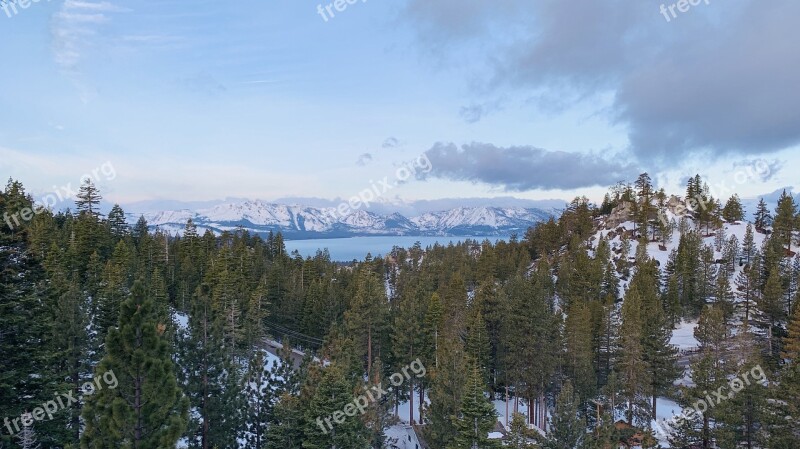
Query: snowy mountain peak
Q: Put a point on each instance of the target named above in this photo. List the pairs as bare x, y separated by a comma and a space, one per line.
299, 221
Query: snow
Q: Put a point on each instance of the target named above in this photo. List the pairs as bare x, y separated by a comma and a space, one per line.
263, 216
683, 336
181, 319
402, 436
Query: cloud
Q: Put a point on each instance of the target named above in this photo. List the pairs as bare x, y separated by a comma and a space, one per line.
74, 30
718, 80
364, 159
475, 112
391, 142
522, 168
764, 170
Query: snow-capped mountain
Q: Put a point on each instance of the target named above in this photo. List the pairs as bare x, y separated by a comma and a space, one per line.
298, 221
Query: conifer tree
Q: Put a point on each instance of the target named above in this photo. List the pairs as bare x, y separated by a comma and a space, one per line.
407, 339
88, 199
633, 370
332, 393
709, 373
260, 401
476, 415
210, 377
147, 408
763, 218
786, 219
748, 245
567, 429
733, 210
771, 311
446, 390
519, 435
117, 223
784, 414
366, 318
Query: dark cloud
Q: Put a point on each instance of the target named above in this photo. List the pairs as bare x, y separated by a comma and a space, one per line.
718, 80
522, 168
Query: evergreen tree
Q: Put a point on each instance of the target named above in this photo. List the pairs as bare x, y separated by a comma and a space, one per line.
332, 393
633, 370
519, 435
210, 377
567, 429
117, 223
748, 245
771, 312
260, 401
763, 218
785, 219
709, 373
784, 414
476, 416
88, 199
147, 408
733, 210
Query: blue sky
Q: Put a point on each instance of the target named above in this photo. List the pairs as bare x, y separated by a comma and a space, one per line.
265, 99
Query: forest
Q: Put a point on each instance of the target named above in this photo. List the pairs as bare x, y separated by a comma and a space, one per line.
113, 334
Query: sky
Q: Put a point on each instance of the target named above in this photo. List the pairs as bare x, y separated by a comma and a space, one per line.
273, 99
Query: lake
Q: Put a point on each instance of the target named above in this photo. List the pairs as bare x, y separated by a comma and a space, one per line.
347, 249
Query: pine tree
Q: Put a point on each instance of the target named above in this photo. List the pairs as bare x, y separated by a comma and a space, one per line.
260, 401
633, 370
446, 390
785, 219
741, 418
146, 408
763, 218
210, 377
519, 435
366, 318
709, 373
567, 429
784, 419
748, 245
332, 393
88, 199
476, 416
733, 210
771, 311
287, 427
579, 355
116, 222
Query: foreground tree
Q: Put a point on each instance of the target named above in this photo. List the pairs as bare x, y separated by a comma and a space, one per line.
477, 416
145, 409
568, 430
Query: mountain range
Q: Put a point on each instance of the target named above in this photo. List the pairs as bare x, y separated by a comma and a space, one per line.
307, 222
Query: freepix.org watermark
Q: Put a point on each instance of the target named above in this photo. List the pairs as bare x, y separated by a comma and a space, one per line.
405, 171
10, 6
58, 195
327, 12
373, 394
61, 402
753, 171
683, 6
713, 399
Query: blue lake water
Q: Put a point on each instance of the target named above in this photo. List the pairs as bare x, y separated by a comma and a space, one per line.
350, 248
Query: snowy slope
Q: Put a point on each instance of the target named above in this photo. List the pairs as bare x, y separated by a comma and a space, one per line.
297, 221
